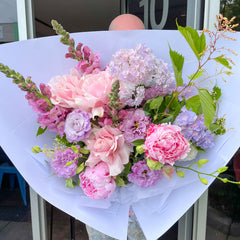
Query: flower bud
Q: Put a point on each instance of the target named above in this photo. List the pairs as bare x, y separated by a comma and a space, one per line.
79, 46
202, 161
140, 149
225, 180
204, 181
36, 149
180, 174
222, 169
75, 149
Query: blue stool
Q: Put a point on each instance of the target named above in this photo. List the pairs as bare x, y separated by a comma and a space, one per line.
8, 168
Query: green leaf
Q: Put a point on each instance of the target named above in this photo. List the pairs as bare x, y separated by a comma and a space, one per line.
80, 168
127, 168
119, 181
193, 103
208, 106
69, 183
63, 140
41, 130
216, 93
223, 61
178, 110
138, 142
177, 62
197, 75
156, 102
174, 104
218, 127
154, 165
168, 119
196, 42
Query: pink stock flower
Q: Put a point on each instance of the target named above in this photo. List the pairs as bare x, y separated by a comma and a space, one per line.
54, 119
91, 62
165, 143
88, 93
107, 144
96, 182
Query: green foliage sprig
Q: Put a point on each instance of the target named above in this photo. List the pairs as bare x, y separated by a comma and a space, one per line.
200, 163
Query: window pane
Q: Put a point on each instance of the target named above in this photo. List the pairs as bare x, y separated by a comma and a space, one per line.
153, 12
223, 220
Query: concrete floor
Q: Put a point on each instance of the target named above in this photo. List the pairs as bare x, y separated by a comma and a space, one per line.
15, 219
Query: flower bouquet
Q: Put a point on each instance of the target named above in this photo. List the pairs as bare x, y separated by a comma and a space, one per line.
134, 121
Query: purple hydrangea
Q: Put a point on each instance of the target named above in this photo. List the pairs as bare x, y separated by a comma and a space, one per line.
77, 125
138, 69
186, 117
133, 65
132, 95
134, 125
61, 157
143, 176
194, 129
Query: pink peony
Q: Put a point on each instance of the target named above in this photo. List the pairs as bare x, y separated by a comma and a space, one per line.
165, 143
107, 144
88, 93
96, 182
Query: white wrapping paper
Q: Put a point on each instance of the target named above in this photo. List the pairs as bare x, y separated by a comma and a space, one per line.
156, 208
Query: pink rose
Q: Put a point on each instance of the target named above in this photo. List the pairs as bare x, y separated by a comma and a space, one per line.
107, 144
165, 143
88, 92
96, 182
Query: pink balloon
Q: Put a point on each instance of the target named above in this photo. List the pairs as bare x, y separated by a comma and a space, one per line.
126, 22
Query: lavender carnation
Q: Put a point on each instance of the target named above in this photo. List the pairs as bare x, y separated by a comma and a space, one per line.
135, 125
77, 125
61, 158
143, 176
